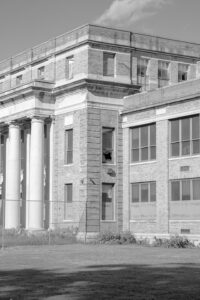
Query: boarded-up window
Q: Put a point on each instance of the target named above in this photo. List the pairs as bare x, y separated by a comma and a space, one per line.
109, 64
69, 67
107, 145
68, 146
68, 198
107, 202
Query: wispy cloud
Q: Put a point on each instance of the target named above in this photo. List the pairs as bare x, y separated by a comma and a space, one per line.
127, 12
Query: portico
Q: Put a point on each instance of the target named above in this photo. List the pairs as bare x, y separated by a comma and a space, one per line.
23, 153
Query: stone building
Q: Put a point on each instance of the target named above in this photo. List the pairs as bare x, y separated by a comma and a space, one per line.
100, 130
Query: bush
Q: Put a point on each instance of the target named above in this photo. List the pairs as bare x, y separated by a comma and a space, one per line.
173, 242
109, 237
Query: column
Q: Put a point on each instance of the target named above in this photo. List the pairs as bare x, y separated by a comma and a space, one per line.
12, 203
36, 185
51, 156
28, 143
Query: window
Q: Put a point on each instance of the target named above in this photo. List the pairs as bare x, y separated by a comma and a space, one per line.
142, 77
68, 146
182, 72
107, 202
109, 64
143, 192
69, 67
143, 143
41, 72
185, 189
107, 145
18, 79
185, 136
163, 73
68, 197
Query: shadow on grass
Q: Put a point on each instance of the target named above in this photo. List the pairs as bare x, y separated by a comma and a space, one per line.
104, 282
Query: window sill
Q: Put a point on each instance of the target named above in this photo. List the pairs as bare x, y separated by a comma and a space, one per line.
68, 221
68, 165
143, 162
184, 157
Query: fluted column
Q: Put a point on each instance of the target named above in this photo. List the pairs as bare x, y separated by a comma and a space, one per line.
36, 186
12, 203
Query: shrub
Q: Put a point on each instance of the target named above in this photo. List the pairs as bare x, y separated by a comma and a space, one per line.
110, 237
173, 242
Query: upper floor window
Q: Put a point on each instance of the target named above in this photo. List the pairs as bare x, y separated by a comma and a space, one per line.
108, 64
142, 77
182, 72
68, 146
143, 143
185, 136
163, 73
69, 67
107, 145
41, 73
185, 189
19, 79
143, 192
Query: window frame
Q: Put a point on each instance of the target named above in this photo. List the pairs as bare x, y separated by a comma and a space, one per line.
66, 202
19, 79
139, 185
180, 181
68, 149
140, 148
106, 72
113, 202
143, 78
112, 150
69, 67
41, 72
181, 73
180, 141
163, 79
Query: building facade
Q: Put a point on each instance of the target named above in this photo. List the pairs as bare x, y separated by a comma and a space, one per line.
100, 131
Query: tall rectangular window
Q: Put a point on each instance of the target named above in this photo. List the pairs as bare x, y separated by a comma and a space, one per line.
182, 72
142, 77
69, 67
143, 192
143, 143
68, 198
185, 136
185, 189
163, 73
41, 72
19, 80
108, 64
107, 202
68, 146
107, 145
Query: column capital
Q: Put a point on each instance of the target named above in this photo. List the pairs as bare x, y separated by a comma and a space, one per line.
36, 118
13, 123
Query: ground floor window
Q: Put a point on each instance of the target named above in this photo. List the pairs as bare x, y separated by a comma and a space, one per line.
68, 197
185, 189
107, 210
143, 192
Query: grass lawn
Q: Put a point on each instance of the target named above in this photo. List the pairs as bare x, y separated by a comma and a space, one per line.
99, 272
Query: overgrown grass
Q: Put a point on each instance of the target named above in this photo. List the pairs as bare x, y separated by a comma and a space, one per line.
17, 237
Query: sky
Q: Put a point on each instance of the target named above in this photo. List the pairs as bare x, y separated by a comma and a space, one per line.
27, 23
